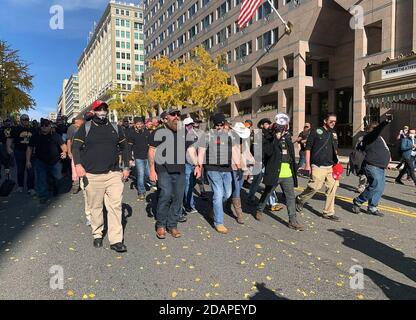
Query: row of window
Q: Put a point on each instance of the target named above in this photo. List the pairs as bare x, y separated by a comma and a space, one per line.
127, 13
126, 45
126, 35
262, 12
127, 56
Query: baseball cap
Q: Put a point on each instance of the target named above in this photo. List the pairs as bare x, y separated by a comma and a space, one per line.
138, 119
218, 118
24, 117
163, 115
188, 121
248, 123
97, 104
44, 122
263, 121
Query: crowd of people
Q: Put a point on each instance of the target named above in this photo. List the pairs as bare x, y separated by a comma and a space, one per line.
172, 155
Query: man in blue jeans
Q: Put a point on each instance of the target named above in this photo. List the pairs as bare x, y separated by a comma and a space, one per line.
47, 149
215, 151
167, 166
377, 159
138, 139
190, 180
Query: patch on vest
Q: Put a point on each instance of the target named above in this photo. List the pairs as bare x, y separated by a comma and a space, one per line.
319, 131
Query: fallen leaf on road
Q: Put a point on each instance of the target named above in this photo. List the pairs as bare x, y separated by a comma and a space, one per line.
258, 246
174, 294
70, 293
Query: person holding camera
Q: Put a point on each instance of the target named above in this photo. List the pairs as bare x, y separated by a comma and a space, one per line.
321, 156
408, 148
280, 169
377, 159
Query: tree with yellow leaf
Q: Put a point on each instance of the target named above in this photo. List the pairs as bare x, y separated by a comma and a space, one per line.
205, 84
165, 83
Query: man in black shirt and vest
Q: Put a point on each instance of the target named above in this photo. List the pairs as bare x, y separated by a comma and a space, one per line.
321, 155
96, 148
167, 167
215, 152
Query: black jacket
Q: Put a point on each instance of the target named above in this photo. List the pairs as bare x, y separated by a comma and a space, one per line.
376, 149
273, 153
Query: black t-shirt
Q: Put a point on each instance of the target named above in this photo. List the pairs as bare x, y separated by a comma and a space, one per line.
218, 154
4, 134
139, 141
47, 148
170, 150
323, 145
304, 135
21, 137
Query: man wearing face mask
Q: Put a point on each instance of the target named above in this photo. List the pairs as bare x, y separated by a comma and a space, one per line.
167, 167
321, 155
408, 147
96, 148
280, 169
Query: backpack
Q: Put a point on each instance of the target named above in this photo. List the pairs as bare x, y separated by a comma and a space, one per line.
356, 160
88, 127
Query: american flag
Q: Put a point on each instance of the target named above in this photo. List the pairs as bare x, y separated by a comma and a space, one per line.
248, 9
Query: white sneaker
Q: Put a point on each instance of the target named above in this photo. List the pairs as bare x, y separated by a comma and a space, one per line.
31, 192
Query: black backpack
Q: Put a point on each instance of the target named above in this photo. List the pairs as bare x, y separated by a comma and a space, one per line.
356, 160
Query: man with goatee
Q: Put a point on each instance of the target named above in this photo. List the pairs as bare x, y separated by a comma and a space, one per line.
167, 167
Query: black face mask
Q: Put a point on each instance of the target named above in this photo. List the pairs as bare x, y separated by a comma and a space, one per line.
99, 120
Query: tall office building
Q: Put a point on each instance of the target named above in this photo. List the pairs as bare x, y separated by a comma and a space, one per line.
61, 106
321, 66
114, 55
72, 97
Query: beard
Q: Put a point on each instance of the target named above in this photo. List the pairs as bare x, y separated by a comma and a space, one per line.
172, 125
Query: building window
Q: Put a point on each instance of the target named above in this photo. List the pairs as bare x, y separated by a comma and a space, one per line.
264, 10
373, 34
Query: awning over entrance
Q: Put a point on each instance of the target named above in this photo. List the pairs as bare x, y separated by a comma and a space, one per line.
405, 101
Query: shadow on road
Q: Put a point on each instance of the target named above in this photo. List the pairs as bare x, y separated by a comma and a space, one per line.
265, 294
391, 257
392, 289
401, 201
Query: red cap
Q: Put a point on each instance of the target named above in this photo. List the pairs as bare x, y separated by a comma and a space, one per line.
337, 171
98, 104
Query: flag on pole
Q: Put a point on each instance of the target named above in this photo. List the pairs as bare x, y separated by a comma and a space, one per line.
248, 9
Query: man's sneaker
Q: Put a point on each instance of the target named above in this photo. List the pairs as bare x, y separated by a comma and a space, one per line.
375, 213
299, 205
398, 182
295, 225
154, 188
19, 190
192, 211
221, 229
259, 216
174, 232
141, 197
182, 219
118, 247
88, 222
31, 192
331, 217
356, 208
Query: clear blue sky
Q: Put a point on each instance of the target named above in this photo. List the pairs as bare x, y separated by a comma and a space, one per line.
52, 54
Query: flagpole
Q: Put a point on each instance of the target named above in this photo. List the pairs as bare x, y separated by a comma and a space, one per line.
288, 25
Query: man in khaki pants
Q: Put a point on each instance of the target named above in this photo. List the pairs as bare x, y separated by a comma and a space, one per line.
321, 155
95, 150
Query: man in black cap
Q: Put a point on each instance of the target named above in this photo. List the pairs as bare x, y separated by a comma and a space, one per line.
215, 153
96, 148
47, 149
20, 137
167, 167
138, 139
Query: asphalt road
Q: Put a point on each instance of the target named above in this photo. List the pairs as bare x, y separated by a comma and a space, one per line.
258, 260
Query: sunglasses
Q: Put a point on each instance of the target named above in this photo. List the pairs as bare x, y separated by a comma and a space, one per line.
332, 121
220, 125
175, 114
